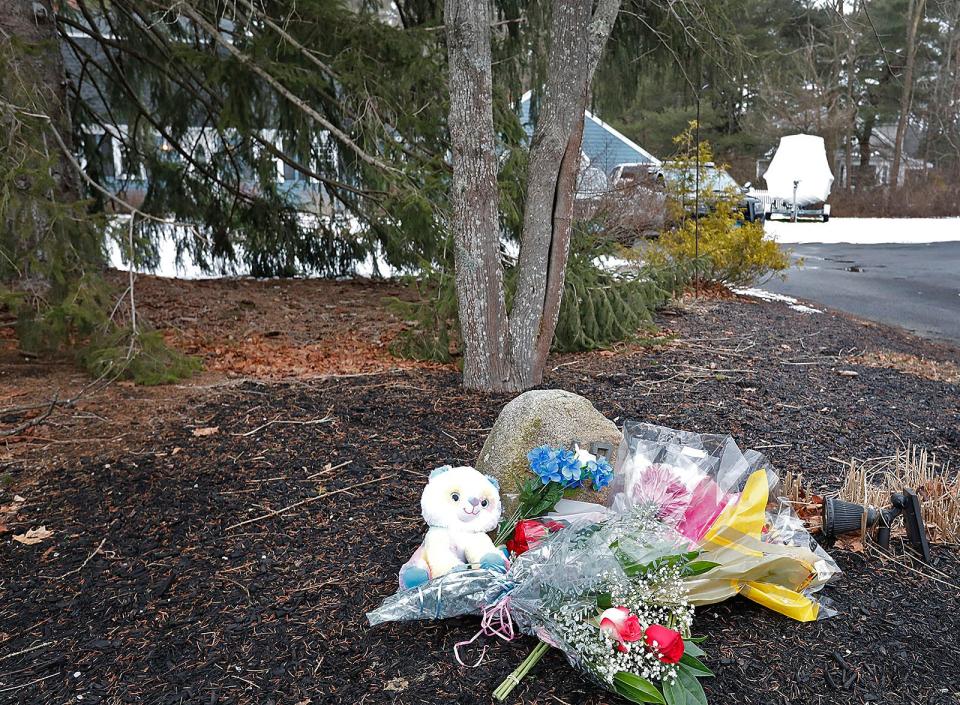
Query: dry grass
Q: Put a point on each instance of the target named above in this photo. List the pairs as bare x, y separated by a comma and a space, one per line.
933, 196
936, 370
871, 482
807, 504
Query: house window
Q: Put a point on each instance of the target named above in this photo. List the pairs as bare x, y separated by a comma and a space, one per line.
291, 174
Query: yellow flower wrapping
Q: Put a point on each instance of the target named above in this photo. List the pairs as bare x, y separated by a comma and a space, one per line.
770, 575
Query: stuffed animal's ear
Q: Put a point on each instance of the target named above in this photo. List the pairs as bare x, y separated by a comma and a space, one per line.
440, 470
493, 481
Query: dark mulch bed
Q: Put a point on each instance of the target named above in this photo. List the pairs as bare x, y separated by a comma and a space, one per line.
178, 608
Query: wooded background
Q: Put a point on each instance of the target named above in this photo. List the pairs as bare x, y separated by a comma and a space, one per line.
308, 136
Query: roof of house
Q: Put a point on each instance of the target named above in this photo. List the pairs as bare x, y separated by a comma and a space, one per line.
604, 146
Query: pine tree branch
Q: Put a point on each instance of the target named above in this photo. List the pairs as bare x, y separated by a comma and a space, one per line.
76, 165
309, 55
210, 109
234, 189
246, 61
306, 171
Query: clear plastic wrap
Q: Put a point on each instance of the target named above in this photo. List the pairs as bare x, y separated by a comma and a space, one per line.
553, 591
724, 501
452, 595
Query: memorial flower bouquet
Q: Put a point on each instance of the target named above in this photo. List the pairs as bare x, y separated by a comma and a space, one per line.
612, 596
556, 472
691, 520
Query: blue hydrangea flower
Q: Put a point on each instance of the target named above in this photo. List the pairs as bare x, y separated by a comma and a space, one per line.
544, 463
571, 469
600, 473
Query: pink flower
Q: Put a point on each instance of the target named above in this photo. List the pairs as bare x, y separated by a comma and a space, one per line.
621, 626
657, 485
706, 504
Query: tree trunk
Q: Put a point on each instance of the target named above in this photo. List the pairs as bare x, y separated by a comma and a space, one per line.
551, 179
851, 121
577, 40
864, 177
504, 352
913, 18
36, 81
32, 88
474, 197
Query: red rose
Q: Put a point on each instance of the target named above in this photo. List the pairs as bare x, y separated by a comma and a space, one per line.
667, 643
530, 532
622, 626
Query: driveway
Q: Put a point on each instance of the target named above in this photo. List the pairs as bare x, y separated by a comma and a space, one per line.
915, 286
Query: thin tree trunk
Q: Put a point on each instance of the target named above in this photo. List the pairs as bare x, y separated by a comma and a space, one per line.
851, 121
577, 42
543, 234
474, 197
917, 8
864, 177
501, 352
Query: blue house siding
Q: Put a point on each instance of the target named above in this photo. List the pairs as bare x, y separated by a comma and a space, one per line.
604, 146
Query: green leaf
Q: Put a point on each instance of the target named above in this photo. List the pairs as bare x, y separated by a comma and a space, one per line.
546, 501
697, 639
695, 666
685, 690
604, 600
630, 566
636, 689
690, 646
698, 568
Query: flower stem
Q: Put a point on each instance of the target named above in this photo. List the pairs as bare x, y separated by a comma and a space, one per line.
513, 680
519, 514
506, 529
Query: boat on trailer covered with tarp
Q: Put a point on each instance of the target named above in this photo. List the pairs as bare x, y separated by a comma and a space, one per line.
799, 179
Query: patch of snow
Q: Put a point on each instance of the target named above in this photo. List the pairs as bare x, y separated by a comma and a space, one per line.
611, 263
168, 265
367, 269
804, 309
781, 298
866, 231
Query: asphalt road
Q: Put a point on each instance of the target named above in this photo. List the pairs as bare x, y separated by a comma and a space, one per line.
914, 286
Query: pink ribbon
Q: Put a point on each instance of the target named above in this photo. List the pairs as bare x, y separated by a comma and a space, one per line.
496, 622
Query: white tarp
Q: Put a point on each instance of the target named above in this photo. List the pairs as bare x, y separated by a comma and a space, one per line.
801, 159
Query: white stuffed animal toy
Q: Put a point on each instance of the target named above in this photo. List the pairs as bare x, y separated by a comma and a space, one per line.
460, 505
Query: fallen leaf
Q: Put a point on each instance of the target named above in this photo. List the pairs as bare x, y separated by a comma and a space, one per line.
33, 536
207, 431
850, 542
847, 373
176, 450
396, 685
18, 498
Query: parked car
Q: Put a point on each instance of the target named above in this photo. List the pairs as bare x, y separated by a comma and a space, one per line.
714, 182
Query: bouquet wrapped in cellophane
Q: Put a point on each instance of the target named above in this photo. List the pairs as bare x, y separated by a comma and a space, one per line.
690, 522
